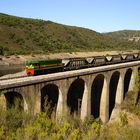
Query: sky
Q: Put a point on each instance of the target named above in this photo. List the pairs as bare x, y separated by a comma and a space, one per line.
98, 15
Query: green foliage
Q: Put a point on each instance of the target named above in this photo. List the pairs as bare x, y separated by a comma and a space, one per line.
25, 36
2, 133
137, 110
16, 125
40, 127
116, 131
132, 99
131, 103
123, 118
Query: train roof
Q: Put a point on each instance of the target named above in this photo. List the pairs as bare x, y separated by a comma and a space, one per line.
44, 62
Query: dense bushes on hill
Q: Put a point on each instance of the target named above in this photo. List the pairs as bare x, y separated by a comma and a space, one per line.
25, 36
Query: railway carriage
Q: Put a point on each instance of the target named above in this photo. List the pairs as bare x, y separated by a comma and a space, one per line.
99, 60
76, 63
111, 59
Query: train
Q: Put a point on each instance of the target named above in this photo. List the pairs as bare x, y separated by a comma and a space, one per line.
38, 67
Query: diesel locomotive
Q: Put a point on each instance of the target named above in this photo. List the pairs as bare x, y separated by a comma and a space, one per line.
37, 67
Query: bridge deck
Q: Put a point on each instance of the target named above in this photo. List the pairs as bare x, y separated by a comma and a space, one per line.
5, 84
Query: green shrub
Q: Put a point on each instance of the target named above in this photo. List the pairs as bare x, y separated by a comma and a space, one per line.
123, 119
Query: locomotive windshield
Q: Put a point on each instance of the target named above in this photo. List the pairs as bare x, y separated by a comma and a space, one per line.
31, 64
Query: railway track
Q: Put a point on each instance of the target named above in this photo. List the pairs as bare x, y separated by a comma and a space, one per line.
13, 76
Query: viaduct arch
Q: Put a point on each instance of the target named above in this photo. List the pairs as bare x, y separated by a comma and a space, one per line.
14, 100
127, 79
49, 98
95, 93
113, 84
75, 95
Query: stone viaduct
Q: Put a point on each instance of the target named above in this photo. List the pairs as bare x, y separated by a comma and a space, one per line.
92, 91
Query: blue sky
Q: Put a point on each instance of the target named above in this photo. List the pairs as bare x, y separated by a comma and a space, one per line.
98, 15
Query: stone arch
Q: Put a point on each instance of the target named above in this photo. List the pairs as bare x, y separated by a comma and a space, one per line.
14, 100
75, 95
113, 90
96, 91
127, 79
49, 98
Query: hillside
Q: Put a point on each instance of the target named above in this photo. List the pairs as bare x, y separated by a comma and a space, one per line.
26, 36
22, 35
129, 35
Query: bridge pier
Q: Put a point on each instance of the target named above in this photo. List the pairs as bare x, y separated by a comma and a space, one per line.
63, 86
104, 105
120, 88
2, 101
133, 78
86, 107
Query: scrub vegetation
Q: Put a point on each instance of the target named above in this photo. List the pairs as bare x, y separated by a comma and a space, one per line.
35, 36
16, 124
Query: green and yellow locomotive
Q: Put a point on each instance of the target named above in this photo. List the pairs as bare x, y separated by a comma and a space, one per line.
37, 67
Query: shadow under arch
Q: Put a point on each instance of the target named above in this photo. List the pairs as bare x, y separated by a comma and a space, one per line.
112, 90
127, 79
14, 100
139, 71
96, 91
75, 95
49, 98
138, 81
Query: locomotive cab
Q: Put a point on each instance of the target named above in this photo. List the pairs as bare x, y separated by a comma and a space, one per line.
30, 68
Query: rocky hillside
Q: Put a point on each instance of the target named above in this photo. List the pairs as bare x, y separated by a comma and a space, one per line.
26, 36
129, 35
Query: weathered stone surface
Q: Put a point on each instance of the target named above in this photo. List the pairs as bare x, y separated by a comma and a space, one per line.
30, 88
